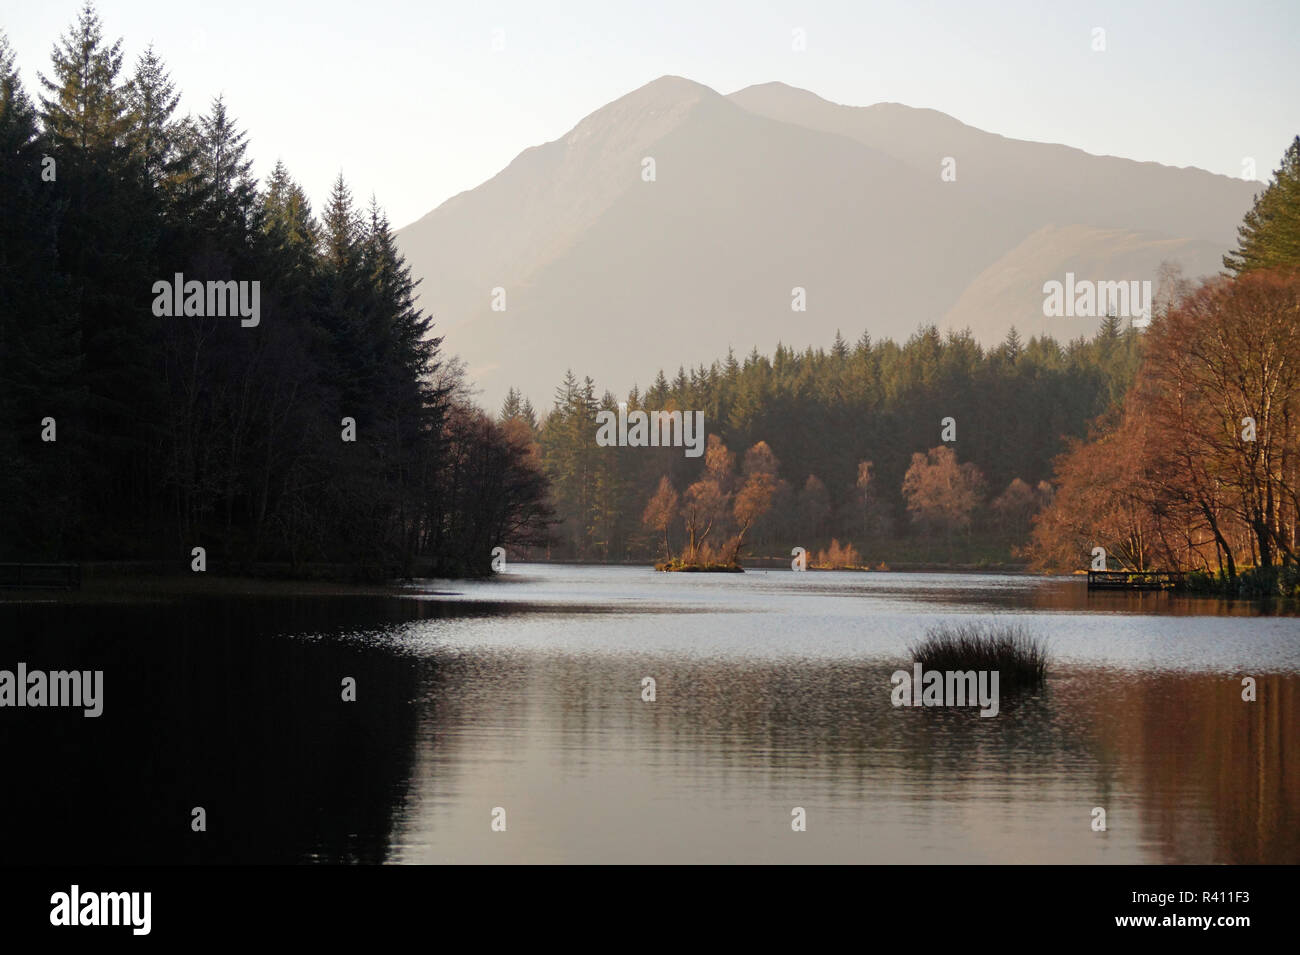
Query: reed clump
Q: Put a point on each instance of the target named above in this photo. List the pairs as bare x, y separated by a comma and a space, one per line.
1019, 657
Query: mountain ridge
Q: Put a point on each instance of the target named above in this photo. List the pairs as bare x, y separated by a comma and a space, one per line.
762, 191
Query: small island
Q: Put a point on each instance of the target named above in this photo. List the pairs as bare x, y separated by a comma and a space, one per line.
676, 564
710, 500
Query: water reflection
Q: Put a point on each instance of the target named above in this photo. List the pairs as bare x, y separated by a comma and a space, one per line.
526, 695
712, 769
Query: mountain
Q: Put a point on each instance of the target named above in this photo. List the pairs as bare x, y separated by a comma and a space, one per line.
769, 189
1032, 184
1010, 291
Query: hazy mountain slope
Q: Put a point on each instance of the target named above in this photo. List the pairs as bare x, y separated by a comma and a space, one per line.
516, 221
762, 191
1010, 291
1035, 183
633, 275
707, 256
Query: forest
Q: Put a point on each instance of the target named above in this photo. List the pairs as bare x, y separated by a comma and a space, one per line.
1175, 446
840, 432
331, 432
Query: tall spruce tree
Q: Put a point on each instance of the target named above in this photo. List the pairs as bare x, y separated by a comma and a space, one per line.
1270, 235
40, 338
225, 171
151, 99
107, 244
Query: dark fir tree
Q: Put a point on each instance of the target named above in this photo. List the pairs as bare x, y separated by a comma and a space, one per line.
1270, 235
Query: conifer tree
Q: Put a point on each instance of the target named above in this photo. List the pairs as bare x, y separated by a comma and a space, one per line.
288, 238
225, 171
839, 348
107, 245
151, 100
510, 408
39, 337
1012, 347
84, 107
1270, 235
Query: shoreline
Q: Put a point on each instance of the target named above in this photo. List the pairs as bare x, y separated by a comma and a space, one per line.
126, 587
107, 581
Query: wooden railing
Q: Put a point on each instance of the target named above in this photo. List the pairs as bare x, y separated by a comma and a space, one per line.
1135, 580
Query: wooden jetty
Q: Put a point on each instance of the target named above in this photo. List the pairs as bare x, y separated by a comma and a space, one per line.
41, 576
1135, 580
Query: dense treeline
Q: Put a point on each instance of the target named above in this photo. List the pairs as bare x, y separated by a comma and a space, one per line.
854, 439
1199, 468
331, 428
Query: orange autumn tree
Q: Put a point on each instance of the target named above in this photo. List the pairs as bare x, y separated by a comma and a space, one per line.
713, 502
1099, 502
1222, 384
707, 502
942, 494
1201, 468
661, 511
754, 499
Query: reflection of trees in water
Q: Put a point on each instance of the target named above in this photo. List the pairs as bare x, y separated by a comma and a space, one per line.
204, 707
1205, 770
833, 720
1071, 593
1217, 775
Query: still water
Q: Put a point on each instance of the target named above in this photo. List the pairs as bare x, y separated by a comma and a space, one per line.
772, 692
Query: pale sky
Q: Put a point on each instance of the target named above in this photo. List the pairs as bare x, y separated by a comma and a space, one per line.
411, 102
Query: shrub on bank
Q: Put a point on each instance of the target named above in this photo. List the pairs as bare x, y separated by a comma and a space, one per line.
1251, 582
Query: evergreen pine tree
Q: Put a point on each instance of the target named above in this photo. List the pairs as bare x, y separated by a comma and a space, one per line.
151, 99
1269, 237
225, 171
40, 353
510, 407
84, 108
839, 348
1012, 347
107, 245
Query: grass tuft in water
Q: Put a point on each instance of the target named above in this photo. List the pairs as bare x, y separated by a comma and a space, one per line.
1019, 658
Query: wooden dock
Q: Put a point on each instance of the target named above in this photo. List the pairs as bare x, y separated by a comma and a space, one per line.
1135, 580
41, 576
